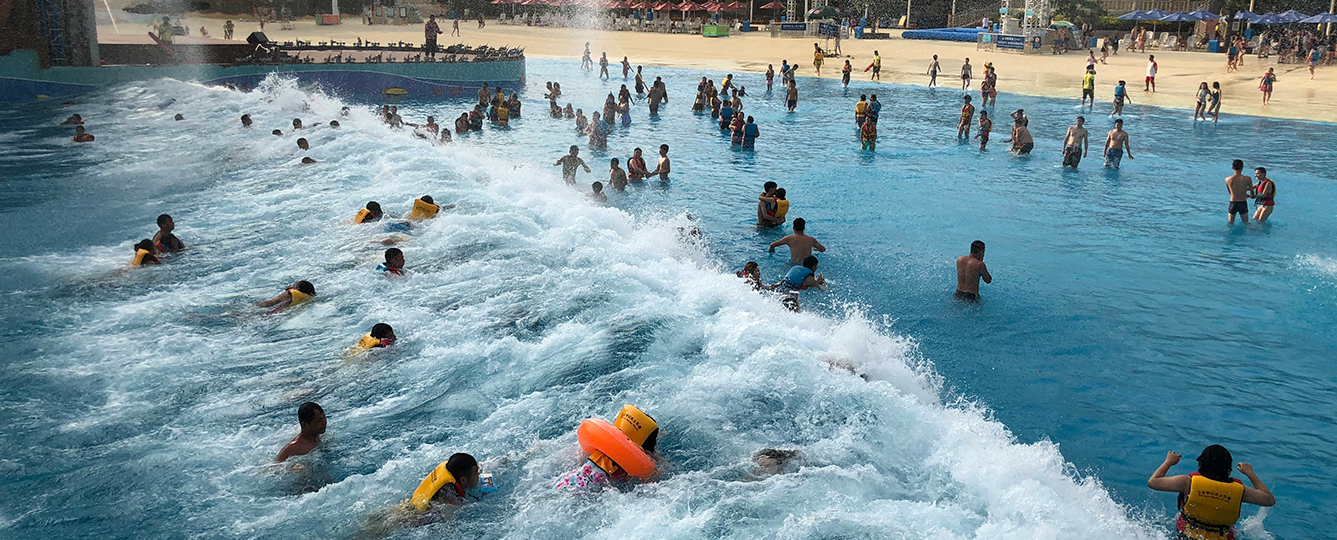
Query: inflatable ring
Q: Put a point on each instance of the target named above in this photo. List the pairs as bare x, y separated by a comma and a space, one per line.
597, 435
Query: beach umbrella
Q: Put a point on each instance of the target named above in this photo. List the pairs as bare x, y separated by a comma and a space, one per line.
1204, 15
1291, 16
734, 6
689, 5
1135, 15
1154, 15
824, 12
167, 7
1179, 17
1057, 24
1245, 15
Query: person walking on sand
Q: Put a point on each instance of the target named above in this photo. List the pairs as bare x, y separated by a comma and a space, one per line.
965, 75
1089, 85
1238, 186
455, 28
1075, 143
1120, 95
1115, 144
970, 269
817, 58
967, 115
430, 31
1266, 85
1265, 193
933, 69
876, 66
1152, 67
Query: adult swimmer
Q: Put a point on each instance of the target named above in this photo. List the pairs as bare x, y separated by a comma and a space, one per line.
800, 244
1210, 500
311, 418
801, 277
294, 294
970, 269
617, 453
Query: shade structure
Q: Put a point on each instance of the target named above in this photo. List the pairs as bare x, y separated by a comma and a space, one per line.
1268, 18
734, 6
1245, 15
690, 6
1204, 15
663, 6
773, 5
1321, 18
1155, 15
1135, 15
1057, 24
712, 7
641, 6
1179, 17
1292, 16
824, 12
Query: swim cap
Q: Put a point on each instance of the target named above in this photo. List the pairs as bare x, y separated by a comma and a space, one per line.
638, 427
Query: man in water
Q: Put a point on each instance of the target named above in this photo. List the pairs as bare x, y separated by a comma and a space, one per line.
776, 207
304, 291
861, 110
603, 66
394, 263
986, 127
1210, 500
1117, 142
245, 120
970, 269
617, 178
1021, 140
965, 75
303, 144
1238, 186
800, 245
664, 166
967, 114
874, 111
1075, 144
801, 277
164, 241
1264, 192
75, 120
82, 136
569, 164
764, 208
312, 420
791, 95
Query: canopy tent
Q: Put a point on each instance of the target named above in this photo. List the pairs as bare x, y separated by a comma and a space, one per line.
1321, 18
1291, 16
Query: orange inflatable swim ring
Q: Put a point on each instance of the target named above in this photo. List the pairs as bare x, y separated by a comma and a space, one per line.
622, 444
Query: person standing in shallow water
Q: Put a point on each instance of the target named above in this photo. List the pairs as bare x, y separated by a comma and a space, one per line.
569, 164
970, 269
1210, 500
1238, 186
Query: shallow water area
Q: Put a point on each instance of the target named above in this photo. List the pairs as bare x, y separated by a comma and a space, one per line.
1126, 319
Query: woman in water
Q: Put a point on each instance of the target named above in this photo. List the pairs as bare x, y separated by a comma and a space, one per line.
1210, 500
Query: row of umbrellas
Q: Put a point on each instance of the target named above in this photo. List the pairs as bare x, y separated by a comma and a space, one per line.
1291, 16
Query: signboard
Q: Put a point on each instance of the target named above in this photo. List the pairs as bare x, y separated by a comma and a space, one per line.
794, 27
1035, 43
1002, 11
827, 29
1030, 13
1011, 42
987, 37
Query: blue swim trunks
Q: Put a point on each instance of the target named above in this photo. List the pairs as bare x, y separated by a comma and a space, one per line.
1113, 156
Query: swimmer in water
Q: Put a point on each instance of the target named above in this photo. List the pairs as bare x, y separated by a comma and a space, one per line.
801, 277
772, 461
144, 254
1115, 144
164, 241
751, 273
597, 195
765, 208
334, 124
617, 178
664, 166
970, 269
303, 144
1210, 500
276, 133
81, 136
967, 114
371, 213
448, 484
295, 294
296, 124
1075, 144
311, 418
600, 471
73, 120
1265, 192
777, 205
381, 336
245, 120
569, 164
179, 117
394, 262
800, 245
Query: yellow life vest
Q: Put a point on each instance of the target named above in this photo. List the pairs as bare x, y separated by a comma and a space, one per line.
877, 61
423, 210
165, 32
503, 114
1211, 508
781, 208
368, 342
298, 297
139, 257
439, 478
817, 56
633, 423
362, 216
860, 109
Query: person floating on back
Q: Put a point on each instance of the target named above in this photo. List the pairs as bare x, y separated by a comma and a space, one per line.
1210, 500
311, 418
970, 269
297, 293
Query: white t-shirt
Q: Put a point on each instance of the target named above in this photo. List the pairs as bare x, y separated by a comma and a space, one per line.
1151, 68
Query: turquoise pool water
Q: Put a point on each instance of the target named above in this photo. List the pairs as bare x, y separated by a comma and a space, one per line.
1125, 319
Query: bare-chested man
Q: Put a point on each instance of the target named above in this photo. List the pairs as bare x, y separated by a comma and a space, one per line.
1075, 144
664, 167
970, 270
1115, 144
570, 163
1238, 185
312, 419
800, 245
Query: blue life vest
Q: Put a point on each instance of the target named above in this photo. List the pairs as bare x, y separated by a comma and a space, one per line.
726, 112
874, 108
794, 279
750, 131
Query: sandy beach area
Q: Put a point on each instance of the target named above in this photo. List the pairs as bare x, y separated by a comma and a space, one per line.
903, 61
